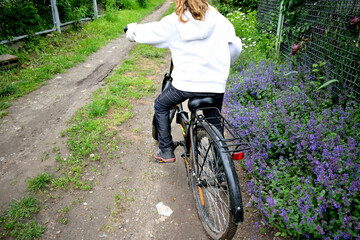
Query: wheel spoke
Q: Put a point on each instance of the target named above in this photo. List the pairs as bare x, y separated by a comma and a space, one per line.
217, 206
210, 187
218, 213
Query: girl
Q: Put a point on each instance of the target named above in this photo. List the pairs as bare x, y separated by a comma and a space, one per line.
203, 45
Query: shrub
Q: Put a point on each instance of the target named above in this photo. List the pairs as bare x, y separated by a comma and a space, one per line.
257, 44
227, 6
26, 17
112, 5
304, 159
142, 3
19, 18
71, 10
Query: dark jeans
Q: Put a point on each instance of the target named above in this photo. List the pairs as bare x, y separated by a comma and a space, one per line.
169, 98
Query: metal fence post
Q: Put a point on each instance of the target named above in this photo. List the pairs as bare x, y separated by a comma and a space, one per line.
280, 27
55, 14
95, 9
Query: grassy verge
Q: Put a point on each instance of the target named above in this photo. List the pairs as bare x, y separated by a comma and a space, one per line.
91, 139
42, 57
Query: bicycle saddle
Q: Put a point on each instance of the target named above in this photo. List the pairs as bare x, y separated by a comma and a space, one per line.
200, 102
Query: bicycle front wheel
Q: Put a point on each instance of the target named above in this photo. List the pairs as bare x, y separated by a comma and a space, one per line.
210, 183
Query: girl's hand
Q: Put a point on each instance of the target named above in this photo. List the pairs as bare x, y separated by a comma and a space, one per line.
130, 32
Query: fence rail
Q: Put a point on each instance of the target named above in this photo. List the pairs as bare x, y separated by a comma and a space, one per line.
325, 30
56, 21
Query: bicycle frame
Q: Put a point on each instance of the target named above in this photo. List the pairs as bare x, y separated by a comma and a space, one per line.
226, 145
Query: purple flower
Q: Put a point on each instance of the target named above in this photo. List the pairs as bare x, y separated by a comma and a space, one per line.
307, 156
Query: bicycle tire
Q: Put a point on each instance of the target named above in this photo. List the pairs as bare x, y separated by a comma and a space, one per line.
154, 131
213, 197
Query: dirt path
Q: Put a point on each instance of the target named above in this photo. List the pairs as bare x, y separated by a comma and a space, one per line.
122, 204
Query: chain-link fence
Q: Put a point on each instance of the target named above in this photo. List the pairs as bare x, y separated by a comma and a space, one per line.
325, 30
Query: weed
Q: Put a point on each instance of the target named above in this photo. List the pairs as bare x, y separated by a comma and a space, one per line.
58, 158
63, 220
45, 157
56, 149
66, 209
16, 220
8, 90
137, 130
3, 113
61, 182
51, 196
40, 182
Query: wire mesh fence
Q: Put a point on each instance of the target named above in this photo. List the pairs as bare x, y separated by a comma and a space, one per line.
327, 31
268, 14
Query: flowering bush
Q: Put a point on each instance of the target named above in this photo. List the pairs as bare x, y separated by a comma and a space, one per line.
304, 159
257, 44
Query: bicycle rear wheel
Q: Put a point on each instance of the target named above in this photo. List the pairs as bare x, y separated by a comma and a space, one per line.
212, 194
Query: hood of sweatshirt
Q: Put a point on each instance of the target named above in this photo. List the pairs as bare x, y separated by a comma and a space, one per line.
194, 29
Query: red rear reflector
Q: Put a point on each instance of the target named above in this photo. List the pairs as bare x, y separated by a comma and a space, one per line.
238, 156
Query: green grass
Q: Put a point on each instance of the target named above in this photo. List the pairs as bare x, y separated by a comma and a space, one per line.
40, 182
43, 57
17, 223
91, 137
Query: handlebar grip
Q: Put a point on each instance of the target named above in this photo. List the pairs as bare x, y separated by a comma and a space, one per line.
125, 29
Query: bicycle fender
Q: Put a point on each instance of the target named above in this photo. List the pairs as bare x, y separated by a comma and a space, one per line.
237, 209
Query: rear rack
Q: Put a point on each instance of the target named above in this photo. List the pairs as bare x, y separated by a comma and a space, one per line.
232, 141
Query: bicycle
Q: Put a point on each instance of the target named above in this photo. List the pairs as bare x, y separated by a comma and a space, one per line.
210, 170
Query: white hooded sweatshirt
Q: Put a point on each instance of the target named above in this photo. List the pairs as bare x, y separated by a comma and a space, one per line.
202, 51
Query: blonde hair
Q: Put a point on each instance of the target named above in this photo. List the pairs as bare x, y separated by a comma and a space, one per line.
197, 8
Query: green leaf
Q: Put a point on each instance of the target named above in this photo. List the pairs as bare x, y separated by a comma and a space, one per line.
327, 83
286, 74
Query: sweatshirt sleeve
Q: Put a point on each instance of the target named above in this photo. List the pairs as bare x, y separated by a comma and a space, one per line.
235, 47
156, 33
234, 42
